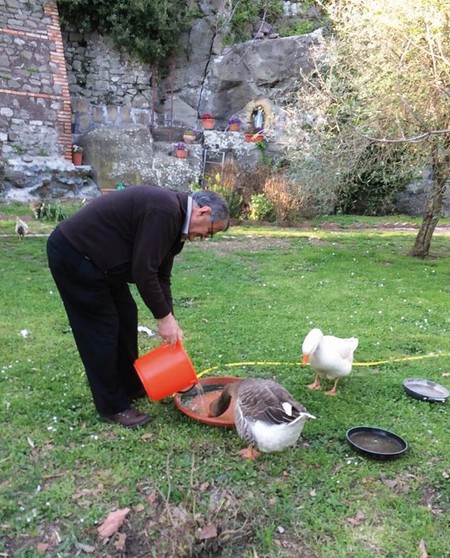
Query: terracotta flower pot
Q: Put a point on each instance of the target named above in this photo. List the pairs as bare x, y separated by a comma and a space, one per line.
77, 158
181, 153
235, 127
254, 138
208, 123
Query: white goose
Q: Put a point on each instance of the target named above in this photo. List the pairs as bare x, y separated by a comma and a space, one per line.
329, 356
266, 414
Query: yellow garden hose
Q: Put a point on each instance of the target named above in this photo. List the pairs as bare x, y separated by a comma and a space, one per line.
257, 363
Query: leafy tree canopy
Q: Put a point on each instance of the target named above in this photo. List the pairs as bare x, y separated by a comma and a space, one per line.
149, 29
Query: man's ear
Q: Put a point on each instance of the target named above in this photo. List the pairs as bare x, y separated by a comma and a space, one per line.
205, 210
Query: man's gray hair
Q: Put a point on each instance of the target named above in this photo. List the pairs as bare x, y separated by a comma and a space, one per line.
219, 207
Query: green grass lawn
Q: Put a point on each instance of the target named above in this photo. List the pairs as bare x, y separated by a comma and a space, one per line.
251, 295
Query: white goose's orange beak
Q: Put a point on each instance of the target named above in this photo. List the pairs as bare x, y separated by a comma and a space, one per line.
305, 360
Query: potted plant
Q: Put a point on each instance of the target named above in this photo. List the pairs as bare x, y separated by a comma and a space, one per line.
189, 136
235, 124
208, 121
180, 150
254, 135
77, 155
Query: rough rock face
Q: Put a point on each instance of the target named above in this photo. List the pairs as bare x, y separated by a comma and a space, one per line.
32, 178
412, 200
269, 69
130, 155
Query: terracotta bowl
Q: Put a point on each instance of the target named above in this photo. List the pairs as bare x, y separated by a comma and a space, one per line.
189, 403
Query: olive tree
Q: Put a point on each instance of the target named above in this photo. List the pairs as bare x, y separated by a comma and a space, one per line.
387, 84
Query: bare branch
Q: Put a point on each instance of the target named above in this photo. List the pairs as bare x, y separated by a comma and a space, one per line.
414, 139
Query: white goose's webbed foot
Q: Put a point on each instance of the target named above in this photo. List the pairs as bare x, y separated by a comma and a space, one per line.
316, 384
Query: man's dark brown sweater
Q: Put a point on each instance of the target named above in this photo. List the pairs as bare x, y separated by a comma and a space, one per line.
133, 235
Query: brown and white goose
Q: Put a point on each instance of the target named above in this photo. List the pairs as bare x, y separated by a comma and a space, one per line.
266, 415
329, 356
21, 227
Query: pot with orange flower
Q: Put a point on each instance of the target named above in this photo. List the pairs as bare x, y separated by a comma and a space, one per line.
208, 121
180, 150
254, 135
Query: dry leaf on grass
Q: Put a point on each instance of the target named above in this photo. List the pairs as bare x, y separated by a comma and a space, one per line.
358, 519
422, 549
209, 531
85, 547
120, 543
112, 522
151, 497
390, 483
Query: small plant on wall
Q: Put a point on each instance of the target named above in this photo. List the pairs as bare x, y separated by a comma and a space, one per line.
244, 11
180, 150
234, 124
77, 154
189, 136
208, 121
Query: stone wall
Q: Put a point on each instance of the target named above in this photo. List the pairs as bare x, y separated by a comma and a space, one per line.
106, 85
35, 113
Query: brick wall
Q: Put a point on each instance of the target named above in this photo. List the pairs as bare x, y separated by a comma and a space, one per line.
35, 113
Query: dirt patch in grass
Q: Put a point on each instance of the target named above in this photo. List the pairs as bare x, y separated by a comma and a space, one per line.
184, 530
209, 521
247, 243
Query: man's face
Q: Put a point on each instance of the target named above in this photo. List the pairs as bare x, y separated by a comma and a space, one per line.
202, 225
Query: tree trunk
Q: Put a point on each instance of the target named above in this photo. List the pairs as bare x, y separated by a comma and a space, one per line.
433, 208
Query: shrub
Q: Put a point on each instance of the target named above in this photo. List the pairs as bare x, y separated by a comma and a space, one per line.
286, 196
225, 185
261, 208
373, 184
244, 12
263, 193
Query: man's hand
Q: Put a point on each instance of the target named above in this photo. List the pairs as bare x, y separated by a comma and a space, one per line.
169, 329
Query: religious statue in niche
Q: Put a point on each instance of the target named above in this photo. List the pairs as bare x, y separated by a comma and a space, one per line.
257, 118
